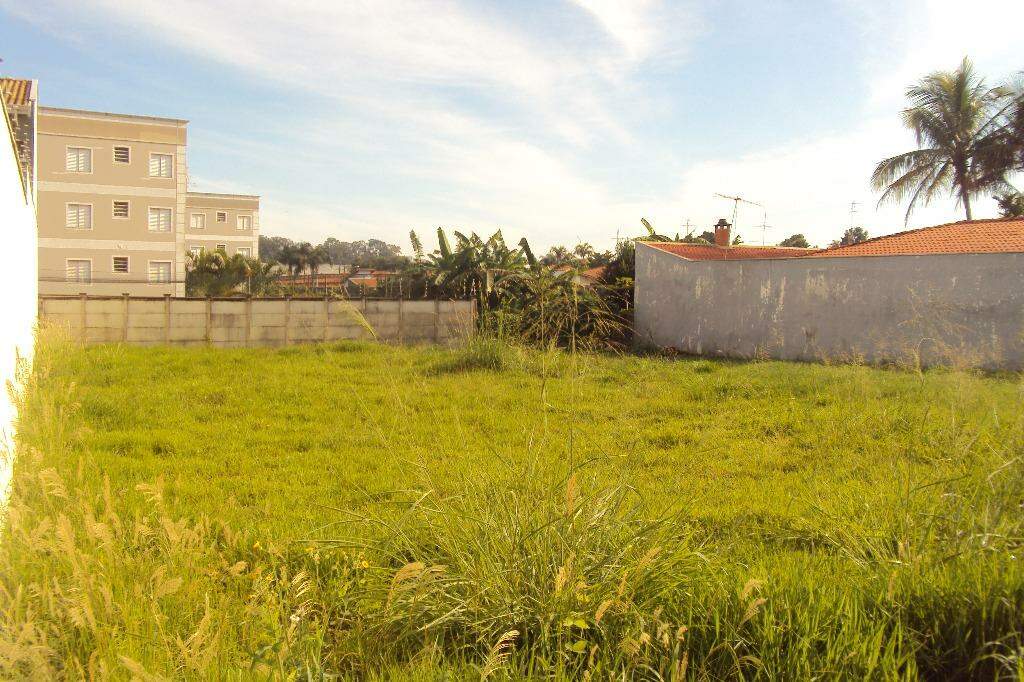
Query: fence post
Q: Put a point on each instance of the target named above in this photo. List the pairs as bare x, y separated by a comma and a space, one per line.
327, 316
209, 320
85, 330
363, 312
401, 324
287, 320
248, 319
437, 320
124, 318
167, 319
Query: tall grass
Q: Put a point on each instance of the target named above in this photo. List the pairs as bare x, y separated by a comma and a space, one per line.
647, 520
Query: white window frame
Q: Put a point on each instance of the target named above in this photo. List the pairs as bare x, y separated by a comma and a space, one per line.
192, 216
67, 261
128, 261
114, 215
113, 154
170, 222
170, 166
67, 149
219, 214
247, 249
92, 216
238, 222
170, 272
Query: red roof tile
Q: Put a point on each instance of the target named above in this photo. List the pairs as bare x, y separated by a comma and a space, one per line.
16, 91
997, 235
738, 252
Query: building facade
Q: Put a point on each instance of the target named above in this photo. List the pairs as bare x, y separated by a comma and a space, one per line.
114, 212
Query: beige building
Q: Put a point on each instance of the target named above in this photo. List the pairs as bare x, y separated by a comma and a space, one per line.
114, 211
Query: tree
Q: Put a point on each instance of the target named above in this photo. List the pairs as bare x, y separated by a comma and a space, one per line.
583, 252
214, 273
954, 117
737, 240
852, 235
557, 255
270, 248
1011, 205
797, 240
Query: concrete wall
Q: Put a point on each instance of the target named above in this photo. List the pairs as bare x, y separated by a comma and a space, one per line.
961, 310
256, 322
18, 279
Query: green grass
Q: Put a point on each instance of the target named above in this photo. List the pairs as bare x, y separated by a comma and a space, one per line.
409, 513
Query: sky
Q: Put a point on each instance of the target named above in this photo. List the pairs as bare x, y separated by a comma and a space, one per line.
558, 120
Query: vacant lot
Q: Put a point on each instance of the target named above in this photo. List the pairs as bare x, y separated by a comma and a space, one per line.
370, 511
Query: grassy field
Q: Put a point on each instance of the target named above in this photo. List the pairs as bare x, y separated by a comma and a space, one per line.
412, 513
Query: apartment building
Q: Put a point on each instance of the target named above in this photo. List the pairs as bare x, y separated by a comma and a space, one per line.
114, 211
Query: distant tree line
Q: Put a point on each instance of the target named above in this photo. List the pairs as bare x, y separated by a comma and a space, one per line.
301, 256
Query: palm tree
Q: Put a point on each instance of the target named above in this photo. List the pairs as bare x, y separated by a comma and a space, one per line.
953, 116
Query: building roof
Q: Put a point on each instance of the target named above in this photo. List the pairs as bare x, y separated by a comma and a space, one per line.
16, 91
106, 115
997, 235
737, 252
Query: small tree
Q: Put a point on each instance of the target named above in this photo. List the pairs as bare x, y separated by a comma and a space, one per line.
853, 235
1011, 205
797, 240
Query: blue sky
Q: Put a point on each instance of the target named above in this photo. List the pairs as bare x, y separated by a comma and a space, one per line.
560, 120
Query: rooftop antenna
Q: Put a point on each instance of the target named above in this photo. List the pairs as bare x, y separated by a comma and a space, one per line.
854, 205
764, 227
735, 206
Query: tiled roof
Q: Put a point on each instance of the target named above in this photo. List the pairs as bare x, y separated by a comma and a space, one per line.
738, 252
17, 91
997, 235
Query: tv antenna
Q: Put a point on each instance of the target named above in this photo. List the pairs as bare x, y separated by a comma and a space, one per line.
764, 227
736, 205
854, 207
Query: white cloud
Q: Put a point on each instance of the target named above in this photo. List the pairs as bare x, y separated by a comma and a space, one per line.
395, 74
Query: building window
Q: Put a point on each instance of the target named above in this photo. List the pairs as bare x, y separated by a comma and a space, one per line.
159, 271
79, 216
160, 165
222, 216
78, 160
196, 251
122, 154
120, 209
120, 263
159, 219
79, 270
197, 221
244, 222
222, 247
245, 251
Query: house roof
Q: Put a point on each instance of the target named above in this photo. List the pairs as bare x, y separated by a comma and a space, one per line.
16, 91
997, 235
738, 252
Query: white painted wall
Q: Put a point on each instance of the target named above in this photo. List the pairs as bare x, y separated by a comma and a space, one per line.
18, 287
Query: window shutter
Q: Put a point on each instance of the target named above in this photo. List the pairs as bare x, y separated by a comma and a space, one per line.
122, 154
120, 263
159, 271
79, 217
159, 220
79, 271
120, 209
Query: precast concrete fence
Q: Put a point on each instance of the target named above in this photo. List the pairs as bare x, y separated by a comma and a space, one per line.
252, 322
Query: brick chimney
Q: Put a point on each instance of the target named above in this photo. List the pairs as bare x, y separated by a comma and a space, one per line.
722, 233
